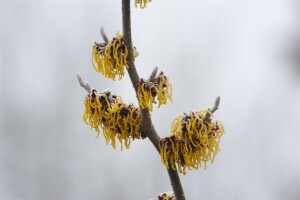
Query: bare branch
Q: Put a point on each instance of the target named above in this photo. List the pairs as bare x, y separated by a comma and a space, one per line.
82, 84
216, 106
147, 127
103, 34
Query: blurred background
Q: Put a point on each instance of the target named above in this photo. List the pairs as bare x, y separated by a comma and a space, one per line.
248, 52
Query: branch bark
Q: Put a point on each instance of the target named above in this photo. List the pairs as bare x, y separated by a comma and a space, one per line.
147, 125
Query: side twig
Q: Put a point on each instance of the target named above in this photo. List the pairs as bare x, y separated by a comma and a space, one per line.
216, 106
153, 74
103, 34
86, 86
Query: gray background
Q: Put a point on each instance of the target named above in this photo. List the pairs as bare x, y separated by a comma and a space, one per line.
245, 51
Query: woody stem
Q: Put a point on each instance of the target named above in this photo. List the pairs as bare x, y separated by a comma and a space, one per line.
147, 127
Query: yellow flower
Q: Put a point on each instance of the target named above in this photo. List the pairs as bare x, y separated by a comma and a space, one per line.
142, 3
165, 196
159, 88
117, 120
124, 125
194, 141
97, 107
109, 58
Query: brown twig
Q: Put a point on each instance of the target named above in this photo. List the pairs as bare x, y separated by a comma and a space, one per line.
216, 106
147, 126
153, 74
103, 34
86, 86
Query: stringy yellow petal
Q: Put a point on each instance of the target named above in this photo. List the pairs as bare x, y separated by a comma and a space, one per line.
109, 59
194, 140
152, 91
118, 121
141, 3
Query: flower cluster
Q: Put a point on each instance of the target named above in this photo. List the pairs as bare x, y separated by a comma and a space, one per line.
194, 140
142, 3
117, 120
165, 196
109, 58
156, 88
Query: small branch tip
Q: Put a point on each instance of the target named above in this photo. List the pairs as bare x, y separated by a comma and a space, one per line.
153, 74
86, 86
103, 34
215, 107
